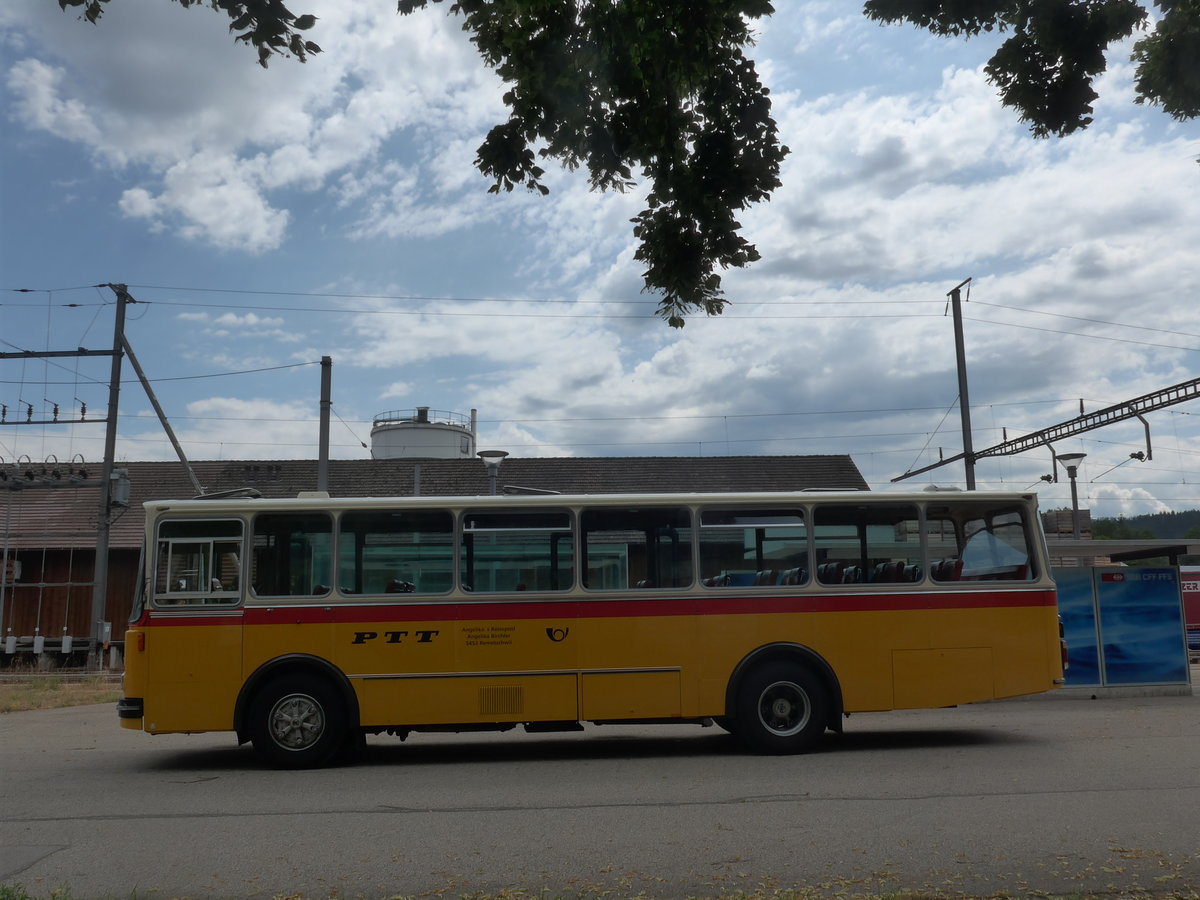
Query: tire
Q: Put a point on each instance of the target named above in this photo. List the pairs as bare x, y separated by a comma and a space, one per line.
298, 722
781, 708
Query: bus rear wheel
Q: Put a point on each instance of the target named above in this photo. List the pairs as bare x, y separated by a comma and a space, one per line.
781, 708
297, 722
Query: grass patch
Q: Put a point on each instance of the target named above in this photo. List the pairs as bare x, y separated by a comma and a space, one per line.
54, 692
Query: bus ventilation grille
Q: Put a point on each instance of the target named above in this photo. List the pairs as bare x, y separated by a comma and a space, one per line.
501, 700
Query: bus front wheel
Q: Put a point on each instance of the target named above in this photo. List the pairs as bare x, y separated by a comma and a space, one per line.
781, 708
297, 722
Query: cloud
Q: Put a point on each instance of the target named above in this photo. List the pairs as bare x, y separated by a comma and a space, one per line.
398, 389
249, 321
1118, 501
214, 139
230, 428
39, 105
354, 174
215, 199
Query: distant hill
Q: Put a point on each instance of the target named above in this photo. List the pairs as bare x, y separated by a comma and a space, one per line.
1168, 525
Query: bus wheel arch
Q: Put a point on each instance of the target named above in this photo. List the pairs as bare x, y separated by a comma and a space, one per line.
314, 694
782, 697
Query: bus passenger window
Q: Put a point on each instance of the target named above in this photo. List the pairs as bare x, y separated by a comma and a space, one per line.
636, 548
517, 550
877, 544
292, 554
742, 547
975, 540
396, 551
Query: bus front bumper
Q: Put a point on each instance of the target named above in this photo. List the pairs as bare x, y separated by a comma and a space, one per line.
130, 708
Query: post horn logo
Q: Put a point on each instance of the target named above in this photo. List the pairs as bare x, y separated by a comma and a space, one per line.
557, 634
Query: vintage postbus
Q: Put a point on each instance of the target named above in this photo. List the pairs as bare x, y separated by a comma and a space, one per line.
304, 624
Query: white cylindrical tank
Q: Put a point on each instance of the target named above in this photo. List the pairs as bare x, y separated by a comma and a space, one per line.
423, 433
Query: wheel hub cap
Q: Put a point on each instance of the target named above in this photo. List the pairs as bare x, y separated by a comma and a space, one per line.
297, 722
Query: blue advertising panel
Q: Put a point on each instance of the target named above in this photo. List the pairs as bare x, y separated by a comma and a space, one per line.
1141, 626
1077, 609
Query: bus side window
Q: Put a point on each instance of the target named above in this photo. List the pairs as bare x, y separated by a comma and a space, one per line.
753, 547
396, 551
198, 562
972, 540
517, 550
292, 554
626, 548
861, 544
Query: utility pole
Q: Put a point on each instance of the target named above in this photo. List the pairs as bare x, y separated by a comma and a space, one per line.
964, 401
323, 430
104, 507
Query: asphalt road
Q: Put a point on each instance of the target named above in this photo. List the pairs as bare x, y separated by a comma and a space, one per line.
1062, 796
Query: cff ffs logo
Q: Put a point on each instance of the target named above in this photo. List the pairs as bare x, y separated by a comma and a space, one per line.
557, 634
1118, 577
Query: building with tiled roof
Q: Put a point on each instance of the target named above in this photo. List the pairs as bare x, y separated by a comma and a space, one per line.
48, 522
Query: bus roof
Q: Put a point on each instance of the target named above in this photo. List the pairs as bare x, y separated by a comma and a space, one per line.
318, 500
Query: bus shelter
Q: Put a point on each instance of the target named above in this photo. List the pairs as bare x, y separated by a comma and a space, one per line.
1124, 625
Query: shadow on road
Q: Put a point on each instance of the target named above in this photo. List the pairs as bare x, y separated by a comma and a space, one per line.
475, 750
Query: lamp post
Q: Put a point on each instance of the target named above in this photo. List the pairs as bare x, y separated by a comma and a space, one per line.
492, 459
1072, 461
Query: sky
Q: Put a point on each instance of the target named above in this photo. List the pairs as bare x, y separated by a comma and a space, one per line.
264, 219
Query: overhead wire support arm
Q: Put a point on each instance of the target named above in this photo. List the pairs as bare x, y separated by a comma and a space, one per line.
162, 416
46, 354
60, 421
1118, 412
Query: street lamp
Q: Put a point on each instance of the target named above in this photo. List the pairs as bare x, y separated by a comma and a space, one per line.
1072, 461
492, 459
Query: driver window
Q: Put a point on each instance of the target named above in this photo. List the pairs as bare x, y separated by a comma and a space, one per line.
198, 562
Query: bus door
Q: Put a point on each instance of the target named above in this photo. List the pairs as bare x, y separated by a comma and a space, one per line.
393, 633
637, 634
516, 637
193, 628
290, 607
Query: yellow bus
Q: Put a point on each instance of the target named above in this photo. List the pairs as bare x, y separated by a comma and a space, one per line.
304, 624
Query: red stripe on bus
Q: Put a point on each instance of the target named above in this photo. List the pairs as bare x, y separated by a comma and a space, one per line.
624, 608
160, 618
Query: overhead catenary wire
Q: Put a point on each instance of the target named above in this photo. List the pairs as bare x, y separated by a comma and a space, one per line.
147, 305
562, 300
695, 319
